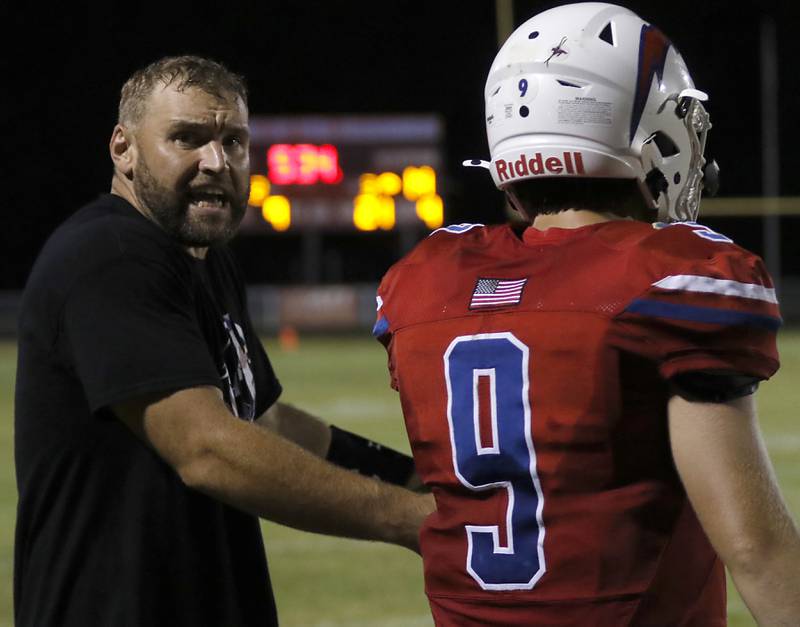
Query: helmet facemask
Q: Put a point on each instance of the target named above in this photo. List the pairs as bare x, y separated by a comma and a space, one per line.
697, 124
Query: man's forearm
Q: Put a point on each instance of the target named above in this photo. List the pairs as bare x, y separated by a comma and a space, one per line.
723, 463
263, 473
768, 586
267, 475
297, 425
342, 448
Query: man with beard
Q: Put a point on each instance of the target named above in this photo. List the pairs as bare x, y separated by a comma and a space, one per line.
148, 433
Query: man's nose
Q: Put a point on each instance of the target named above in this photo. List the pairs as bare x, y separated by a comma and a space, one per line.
212, 157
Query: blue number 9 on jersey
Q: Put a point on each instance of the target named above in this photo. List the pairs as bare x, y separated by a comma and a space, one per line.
506, 460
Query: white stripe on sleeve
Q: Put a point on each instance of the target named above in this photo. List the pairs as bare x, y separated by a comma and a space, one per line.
695, 283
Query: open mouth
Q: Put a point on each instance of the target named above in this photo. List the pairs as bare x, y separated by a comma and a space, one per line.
211, 200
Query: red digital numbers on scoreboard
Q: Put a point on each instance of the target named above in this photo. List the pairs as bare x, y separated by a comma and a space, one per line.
303, 164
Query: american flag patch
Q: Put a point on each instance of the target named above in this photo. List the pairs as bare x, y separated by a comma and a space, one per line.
497, 293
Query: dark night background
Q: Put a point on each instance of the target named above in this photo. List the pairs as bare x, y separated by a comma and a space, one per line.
62, 84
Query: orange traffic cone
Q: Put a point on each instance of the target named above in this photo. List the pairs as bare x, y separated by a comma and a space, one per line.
288, 339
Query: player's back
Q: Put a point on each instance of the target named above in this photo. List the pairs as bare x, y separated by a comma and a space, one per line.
532, 374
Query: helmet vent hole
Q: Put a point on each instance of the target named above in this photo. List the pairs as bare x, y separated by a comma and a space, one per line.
496, 91
656, 182
677, 178
533, 35
568, 84
665, 145
524, 111
607, 34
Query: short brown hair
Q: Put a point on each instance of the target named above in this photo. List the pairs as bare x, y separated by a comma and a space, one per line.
552, 195
182, 72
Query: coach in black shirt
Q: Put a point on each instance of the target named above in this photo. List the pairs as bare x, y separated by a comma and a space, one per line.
148, 433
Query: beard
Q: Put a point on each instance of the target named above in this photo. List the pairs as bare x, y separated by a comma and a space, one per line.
171, 210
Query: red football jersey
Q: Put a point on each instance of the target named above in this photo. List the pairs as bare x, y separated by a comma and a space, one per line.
532, 373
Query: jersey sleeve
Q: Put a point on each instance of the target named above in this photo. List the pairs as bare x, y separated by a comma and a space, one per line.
382, 331
718, 312
130, 330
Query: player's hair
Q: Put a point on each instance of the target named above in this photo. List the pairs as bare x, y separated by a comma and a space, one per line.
551, 195
181, 72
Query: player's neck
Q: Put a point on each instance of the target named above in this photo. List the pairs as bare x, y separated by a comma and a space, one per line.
572, 219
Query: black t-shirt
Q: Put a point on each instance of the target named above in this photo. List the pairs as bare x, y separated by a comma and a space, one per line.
107, 533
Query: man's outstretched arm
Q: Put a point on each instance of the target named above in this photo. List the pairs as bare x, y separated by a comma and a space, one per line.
341, 447
263, 473
723, 463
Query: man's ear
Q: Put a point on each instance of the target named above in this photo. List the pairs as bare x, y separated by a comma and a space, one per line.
123, 151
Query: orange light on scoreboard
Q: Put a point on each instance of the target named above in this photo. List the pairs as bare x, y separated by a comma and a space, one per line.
277, 210
430, 209
259, 190
418, 182
372, 212
303, 164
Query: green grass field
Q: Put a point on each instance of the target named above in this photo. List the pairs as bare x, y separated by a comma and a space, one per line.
328, 582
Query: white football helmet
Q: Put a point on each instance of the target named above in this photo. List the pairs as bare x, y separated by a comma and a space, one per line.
592, 90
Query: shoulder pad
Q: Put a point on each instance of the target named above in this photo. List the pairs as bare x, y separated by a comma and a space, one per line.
684, 241
443, 241
456, 228
697, 229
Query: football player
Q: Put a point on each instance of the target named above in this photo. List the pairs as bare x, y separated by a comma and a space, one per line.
579, 396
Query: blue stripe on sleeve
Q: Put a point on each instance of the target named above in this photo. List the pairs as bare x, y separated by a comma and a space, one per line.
381, 327
710, 315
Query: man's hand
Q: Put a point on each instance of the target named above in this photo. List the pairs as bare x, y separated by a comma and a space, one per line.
415, 484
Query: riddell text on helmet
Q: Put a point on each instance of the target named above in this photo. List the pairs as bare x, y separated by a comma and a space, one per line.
572, 163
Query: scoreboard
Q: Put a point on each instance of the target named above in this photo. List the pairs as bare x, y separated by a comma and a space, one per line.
330, 173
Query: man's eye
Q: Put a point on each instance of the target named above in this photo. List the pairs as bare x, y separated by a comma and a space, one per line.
233, 140
188, 139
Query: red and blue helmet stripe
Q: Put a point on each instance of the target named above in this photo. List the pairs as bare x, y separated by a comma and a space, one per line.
653, 48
